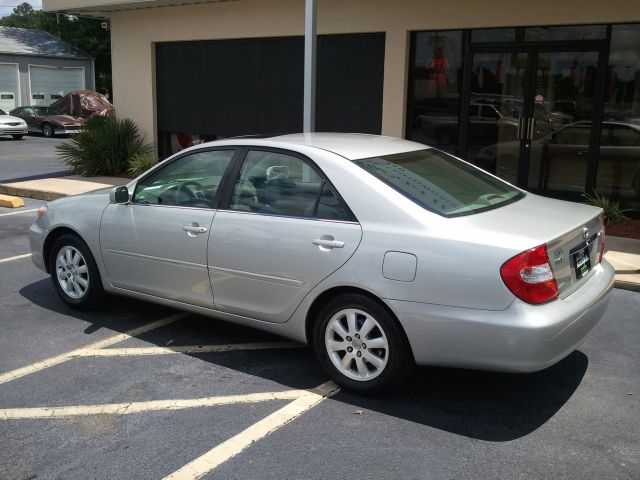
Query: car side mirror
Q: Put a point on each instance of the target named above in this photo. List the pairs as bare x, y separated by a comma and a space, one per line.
119, 194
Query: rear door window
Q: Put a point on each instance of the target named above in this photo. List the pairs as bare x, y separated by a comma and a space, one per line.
275, 183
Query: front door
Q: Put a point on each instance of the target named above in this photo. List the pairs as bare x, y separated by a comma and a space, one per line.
530, 114
157, 243
283, 231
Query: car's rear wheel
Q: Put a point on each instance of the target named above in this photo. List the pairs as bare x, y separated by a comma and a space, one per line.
361, 345
17, 137
47, 130
74, 272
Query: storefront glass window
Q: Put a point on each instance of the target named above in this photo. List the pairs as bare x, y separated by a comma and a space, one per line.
490, 35
619, 159
436, 84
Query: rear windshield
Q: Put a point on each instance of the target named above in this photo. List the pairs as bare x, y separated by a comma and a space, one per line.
440, 182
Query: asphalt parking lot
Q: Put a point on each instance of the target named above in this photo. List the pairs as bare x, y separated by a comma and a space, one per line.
40, 161
138, 391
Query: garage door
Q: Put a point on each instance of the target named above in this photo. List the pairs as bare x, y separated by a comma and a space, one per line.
8, 86
48, 84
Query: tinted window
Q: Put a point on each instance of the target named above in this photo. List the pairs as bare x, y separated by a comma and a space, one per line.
191, 181
330, 207
620, 136
276, 183
441, 183
2, 112
577, 135
279, 184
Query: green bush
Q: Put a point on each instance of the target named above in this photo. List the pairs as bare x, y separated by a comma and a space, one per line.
612, 211
138, 164
104, 147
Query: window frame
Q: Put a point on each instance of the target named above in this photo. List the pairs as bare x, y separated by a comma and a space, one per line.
234, 176
183, 154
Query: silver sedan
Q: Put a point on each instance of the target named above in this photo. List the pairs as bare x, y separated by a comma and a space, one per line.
379, 252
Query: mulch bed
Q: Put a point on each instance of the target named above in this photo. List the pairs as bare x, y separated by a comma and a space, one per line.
629, 228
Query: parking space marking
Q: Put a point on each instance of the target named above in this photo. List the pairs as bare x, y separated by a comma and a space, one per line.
126, 352
18, 213
17, 257
150, 406
236, 444
50, 362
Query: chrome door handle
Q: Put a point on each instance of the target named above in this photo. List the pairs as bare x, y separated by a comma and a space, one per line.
326, 243
194, 229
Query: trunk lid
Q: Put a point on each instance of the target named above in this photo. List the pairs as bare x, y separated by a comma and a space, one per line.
572, 232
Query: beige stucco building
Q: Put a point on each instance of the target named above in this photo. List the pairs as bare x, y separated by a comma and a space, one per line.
496, 81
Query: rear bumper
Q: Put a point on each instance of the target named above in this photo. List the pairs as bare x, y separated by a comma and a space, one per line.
521, 338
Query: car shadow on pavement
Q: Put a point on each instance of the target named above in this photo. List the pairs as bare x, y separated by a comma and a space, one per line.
482, 405
488, 406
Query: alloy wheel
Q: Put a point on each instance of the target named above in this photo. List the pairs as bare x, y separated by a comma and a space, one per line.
72, 272
356, 344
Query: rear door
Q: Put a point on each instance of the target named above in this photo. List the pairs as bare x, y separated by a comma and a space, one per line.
283, 230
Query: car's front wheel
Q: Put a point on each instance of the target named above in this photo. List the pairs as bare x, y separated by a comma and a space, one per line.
361, 345
17, 137
74, 272
47, 130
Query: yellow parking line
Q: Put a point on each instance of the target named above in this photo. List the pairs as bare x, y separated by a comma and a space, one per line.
49, 362
17, 257
126, 352
233, 446
18, 213
138, 407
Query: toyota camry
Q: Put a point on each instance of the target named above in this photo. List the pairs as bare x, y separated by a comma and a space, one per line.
380, 253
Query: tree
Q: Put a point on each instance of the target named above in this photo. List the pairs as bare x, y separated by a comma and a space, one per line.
84, 33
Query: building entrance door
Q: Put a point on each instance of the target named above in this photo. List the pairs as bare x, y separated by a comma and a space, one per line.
529, 115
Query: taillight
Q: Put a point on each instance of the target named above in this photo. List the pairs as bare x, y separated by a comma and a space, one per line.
529, 276
602, 239
42, 211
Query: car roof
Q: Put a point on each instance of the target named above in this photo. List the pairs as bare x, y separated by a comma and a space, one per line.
352, 146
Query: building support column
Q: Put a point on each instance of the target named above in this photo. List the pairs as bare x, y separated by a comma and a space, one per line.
309, 115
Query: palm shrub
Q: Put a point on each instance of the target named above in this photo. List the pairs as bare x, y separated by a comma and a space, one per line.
104, 147
612, 211
138, 164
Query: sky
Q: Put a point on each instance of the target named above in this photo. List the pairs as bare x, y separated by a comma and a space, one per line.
7, 6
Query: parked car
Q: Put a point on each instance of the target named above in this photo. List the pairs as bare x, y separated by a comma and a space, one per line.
379, 252
559, 159
48, 120
10, 125
487, 123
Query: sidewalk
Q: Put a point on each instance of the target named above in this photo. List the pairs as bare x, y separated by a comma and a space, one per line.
622, 253
51, 188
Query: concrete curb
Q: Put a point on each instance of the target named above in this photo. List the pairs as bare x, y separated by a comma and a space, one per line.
9, 201
632, 287
30, 193
48, 189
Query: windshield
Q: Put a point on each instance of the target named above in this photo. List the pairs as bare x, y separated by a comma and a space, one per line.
46, 111
440, 182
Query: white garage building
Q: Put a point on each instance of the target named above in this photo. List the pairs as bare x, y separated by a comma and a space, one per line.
37, 68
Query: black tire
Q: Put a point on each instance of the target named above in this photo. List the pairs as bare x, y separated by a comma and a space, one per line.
399, 358
93, 292
48, 130
17, 136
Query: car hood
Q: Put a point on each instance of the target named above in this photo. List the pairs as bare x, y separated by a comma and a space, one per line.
10, 119
63, 120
